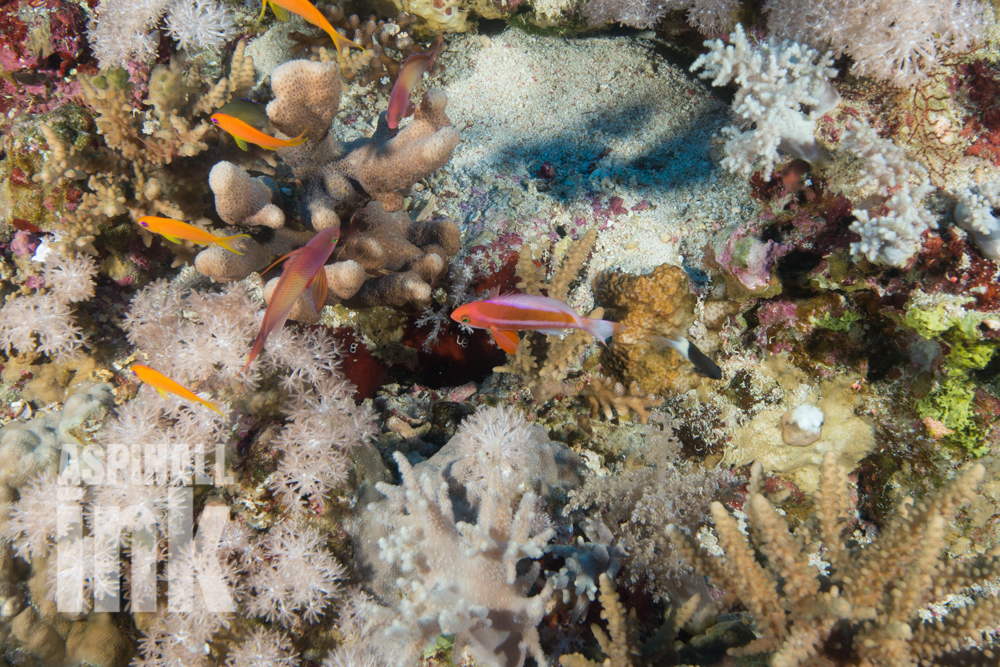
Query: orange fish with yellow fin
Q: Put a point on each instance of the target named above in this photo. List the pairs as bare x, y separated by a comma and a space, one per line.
245, 134
308, 11
164, 385
176, 231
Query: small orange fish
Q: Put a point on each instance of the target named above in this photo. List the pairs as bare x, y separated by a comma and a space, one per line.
163, 385
303, 270
176, 231
505, 315
309, 12
409, 76
246, 134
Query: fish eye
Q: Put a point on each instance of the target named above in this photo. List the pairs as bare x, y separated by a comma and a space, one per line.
465, 320
144, 224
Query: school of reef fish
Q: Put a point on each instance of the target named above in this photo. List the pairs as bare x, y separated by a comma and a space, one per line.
611, 333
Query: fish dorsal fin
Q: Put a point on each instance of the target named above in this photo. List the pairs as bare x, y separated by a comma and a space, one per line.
535, 301
319, 288
241, 143
278, 261
280, 12
507, 340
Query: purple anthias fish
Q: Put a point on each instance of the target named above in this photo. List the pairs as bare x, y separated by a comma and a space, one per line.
303, 269
409, 75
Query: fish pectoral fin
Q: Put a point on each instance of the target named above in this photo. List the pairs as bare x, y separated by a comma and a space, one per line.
280, 12
172, 239
161, 392
241, 143
319, 289
507, 340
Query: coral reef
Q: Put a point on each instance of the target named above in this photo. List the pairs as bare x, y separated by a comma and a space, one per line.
659, 303
142, 166
869, 598
399, 259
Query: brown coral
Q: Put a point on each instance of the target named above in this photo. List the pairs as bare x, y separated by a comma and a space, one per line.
655, 304
870, 600
393, 160
402, 258
141, 166
219, 264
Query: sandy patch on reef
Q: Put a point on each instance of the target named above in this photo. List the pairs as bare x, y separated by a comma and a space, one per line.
631, 137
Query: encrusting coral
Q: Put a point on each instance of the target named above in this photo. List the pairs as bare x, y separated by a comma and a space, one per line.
656, 304
385, 259
869, 598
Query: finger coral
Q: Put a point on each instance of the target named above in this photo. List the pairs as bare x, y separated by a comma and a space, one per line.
402, 258
870, 598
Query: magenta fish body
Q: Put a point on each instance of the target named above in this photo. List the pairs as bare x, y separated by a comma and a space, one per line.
304, 267
409, 76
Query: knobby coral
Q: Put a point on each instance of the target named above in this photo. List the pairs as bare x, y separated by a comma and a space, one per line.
870, 597
386, 259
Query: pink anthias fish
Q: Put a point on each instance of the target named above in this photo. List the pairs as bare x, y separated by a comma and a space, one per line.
304, 269
506, 314
410, 73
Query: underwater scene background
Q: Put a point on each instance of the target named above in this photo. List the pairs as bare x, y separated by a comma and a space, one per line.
620, 333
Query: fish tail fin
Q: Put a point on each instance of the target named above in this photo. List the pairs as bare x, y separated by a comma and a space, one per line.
280, 12
299, 140
662, 341
212, 406
601, 329
224, 242
258, 345
263, 9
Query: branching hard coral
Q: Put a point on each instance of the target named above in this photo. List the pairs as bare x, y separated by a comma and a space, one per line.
135, 169
870, 597
892, 238
648, 492
123, 31
609, 398
621, 643
899, 41
477, 596
975, 213
561, 352
783, 89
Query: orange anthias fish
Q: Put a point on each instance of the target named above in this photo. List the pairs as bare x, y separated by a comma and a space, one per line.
505, 315
247, 134
176, 231
309, 12
409, 76
162, 384
303, 269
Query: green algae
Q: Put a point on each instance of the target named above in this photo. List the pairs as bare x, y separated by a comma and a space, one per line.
950, 402
829, 321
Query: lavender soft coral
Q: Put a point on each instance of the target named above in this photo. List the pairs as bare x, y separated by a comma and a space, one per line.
479, 598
